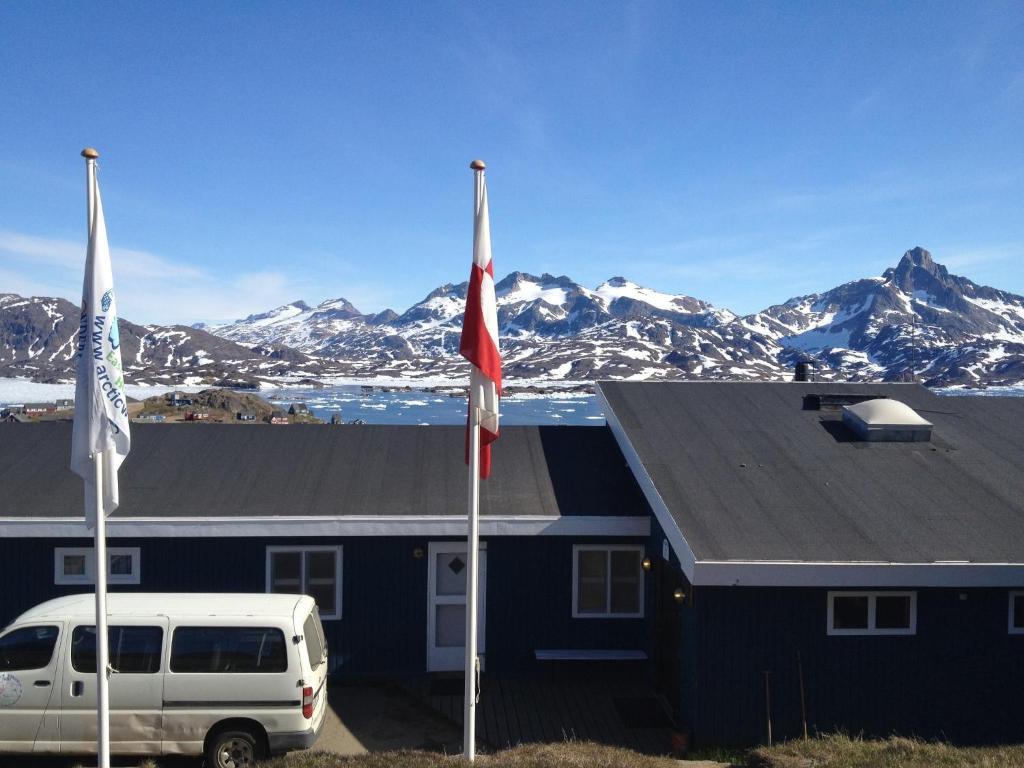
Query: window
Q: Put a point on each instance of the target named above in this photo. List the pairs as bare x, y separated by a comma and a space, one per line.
1017, 613
27, 648
228, 649
313, 571
607, 582
315, 646
77, 565
131, 650
872, 613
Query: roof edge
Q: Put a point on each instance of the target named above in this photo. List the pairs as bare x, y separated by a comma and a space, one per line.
754, 573
687, 558
341, 525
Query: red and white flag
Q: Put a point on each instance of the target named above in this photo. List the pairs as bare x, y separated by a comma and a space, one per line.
479, 342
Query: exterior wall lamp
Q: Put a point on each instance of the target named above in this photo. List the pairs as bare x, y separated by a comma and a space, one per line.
646, 564
679, 595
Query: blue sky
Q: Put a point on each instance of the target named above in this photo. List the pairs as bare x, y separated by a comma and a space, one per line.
254, 154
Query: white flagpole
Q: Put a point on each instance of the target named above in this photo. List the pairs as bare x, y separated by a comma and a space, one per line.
472, 550
472, 585
102, 656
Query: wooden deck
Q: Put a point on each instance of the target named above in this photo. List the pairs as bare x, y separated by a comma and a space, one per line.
521, 711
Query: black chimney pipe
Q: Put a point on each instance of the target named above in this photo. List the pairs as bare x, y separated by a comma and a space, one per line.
804, 371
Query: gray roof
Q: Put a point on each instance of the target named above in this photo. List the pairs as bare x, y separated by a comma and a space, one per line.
748, 475
227, 470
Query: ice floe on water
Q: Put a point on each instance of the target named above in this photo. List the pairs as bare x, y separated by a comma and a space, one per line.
377, 406
1009, 391
25, 391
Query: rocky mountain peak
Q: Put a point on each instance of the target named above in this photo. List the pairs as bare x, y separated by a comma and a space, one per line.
919, 257
285, 309
382, 317
448, 289
916, 267
513, 279
340, 308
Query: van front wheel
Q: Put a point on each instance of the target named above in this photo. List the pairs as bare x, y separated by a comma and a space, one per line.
233, 749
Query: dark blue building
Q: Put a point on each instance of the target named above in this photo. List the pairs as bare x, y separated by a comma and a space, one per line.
370, 520
755, 552
851, 556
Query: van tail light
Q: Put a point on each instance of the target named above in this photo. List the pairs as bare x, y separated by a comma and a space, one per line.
307, 703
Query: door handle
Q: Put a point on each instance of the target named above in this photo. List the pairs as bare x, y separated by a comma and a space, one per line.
41, 683
77, 687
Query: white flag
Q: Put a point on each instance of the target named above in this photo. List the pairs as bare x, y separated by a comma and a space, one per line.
101, 408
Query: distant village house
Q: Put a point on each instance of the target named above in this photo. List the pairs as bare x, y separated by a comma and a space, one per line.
35, 409
179, 400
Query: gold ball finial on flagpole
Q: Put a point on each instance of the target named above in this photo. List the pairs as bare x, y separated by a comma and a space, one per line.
477, 165
90, 154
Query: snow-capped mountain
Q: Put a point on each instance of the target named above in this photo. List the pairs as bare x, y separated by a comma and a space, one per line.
38, 338
551, 328
915, 320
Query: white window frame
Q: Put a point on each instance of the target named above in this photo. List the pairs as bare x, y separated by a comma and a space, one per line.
1010, 616
871, 629
608, 549
302, 550
89, 577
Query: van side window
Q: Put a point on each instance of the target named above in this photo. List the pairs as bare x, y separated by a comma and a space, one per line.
132, 650
314, 641
27, 648
228, 649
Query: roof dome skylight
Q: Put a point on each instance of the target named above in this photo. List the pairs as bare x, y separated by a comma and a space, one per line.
886, 420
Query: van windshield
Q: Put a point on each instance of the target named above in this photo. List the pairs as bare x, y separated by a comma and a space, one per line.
313, 635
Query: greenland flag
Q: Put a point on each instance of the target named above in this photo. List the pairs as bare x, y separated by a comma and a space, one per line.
479, 342
101, 408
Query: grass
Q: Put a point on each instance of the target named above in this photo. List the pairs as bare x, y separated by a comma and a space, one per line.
842, 751
576, 754
827, 751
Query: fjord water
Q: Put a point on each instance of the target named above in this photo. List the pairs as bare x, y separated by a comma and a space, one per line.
422, 407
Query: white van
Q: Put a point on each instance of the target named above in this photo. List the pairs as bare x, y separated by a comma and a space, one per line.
234, 677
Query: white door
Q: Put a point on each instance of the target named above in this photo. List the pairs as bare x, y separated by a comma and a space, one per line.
29, 672
446, 606
135, 688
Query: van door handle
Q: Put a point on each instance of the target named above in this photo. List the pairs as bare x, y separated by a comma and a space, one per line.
77, 687
41, 683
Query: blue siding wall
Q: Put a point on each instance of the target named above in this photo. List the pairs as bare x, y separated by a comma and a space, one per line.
959, 678
678, 682
529, 605
382, 632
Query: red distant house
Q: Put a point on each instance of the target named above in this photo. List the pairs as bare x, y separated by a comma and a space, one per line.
197, 415
278, 417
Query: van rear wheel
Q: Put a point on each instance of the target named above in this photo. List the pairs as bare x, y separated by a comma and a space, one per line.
233, 749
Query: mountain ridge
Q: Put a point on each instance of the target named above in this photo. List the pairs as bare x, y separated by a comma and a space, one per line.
915, 320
